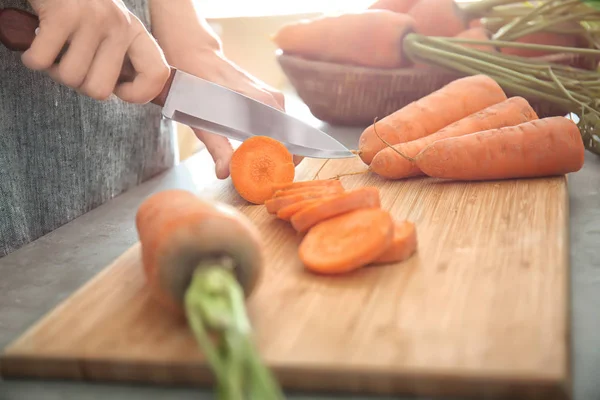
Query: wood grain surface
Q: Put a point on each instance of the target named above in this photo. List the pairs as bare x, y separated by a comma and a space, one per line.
481, 309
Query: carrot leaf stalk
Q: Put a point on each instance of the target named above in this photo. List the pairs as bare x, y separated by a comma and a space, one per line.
215, 308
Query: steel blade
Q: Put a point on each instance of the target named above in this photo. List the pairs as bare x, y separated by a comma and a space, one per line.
204, 105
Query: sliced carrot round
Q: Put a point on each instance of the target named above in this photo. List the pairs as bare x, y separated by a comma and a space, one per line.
259, 163
302, 190
275, 204
303, 184
404, 244
331, 206
347, 242
286, 213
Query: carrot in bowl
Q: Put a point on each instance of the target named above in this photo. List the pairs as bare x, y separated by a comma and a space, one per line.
368, 38
543, 147
331, 206
397, 6
398, 162
347, 242
259, 163
403, 246
201, 260
456, 100
438, 18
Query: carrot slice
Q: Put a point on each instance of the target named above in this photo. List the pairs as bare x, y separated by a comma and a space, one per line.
325, 189
259, 163
347, 242
334, 205
403, 245
275, 204
304, 184
286, 213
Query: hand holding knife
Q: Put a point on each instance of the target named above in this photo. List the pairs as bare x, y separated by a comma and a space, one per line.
201, 104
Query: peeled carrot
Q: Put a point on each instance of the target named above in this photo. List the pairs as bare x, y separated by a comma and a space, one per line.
370, 38
201, 260
304, 184
301, 190
347, 242
543, 147
331, 206
286, 213
388, 163
403, 246
398, 6
275, 204
437, 18
259, 163
431, 113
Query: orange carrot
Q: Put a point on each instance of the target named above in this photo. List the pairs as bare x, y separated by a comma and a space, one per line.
542, 147
259, 163
388, 163
547, 38
370, 38
197, 254
365, 197
397, 6
301, 190
179, 232
437, 18
404, 244
286, 213
431, 113
347, 242
305, 184
275, 204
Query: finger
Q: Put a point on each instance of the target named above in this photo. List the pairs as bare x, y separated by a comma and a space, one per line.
78, 59
152, 71
105, 69
46, 46
219, 148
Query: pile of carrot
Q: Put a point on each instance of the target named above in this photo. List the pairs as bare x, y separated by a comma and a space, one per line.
373, 37
470, 130
344, 230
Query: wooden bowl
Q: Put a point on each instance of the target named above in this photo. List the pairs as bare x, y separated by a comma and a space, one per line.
354, 96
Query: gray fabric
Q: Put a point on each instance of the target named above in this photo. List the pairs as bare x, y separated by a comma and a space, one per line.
63, 154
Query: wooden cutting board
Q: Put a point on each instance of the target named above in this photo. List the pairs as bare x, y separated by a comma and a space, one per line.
481, 309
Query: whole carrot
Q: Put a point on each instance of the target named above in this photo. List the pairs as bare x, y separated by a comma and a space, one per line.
398, 162
543, 147
397, 6
431, 113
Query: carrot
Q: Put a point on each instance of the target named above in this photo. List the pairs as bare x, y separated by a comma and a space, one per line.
390, 164
301, 190
275, 204
331, 206
404, 244
542, 147
547, 38
437, 18
305, 184
370, 38
397, 6
201, 260
286, 213
454, 101
259, 163
347, 242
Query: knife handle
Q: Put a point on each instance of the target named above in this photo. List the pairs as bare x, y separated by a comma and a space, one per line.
18, 30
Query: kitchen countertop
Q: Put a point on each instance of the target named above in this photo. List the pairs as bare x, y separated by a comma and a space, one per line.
40, 275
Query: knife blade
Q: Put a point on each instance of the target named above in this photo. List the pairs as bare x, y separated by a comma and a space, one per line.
202, 104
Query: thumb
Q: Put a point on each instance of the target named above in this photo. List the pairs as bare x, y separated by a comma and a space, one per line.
220, 150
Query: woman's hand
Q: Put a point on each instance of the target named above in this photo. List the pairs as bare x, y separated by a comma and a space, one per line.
190, 45
99, 34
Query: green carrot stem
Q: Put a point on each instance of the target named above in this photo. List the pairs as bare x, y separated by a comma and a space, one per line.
215, 308
540, 26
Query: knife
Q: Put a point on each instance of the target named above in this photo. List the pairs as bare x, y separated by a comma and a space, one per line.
201, 104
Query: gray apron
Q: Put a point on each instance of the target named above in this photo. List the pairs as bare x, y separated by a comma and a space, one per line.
63, 154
